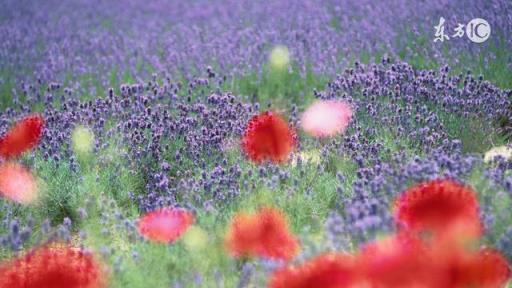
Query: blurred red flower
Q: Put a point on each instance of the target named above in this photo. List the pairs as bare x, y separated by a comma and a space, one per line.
263, 234
47, 267
442, 207
165, 225
24, 136
485, 268
326, 271
403, 260
268, 137
326, 118
400, 260
17, 183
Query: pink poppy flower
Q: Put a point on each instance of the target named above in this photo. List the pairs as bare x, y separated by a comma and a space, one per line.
17, 183
326, 118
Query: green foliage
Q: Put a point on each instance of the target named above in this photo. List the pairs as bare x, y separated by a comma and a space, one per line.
498, 201
476, 136
6, 86
278, 87
59, 196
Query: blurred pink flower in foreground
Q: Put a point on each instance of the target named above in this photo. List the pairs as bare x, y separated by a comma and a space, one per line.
326, 118
17, 183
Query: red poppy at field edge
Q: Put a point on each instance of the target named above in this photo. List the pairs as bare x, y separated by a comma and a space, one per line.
17, 183
263, 234
484, 268
326, 271
22, 137
439, 206
400, 260
268, 137
166, 224
45, 267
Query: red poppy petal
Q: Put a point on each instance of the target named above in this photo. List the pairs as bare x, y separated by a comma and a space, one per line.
486, 268
263, 234
65, 267
165, 225
243, 234
24, 136
326, 271
436, 206
400, 260
268, 137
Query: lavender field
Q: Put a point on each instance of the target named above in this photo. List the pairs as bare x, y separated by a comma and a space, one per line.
236, 143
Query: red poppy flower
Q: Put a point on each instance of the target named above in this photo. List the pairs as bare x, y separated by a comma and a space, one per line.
326, 271
268, 137
17, 183
441, 207
401, 260
165, 225
263, 234
22, 137
486, 268
64, 267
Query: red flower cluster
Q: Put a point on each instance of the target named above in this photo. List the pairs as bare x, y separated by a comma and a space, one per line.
326, 271
165, 225
404, 260
439, 207
263, 234
397, 261
486, 268
268, 138
22, 137
53, 267
446, 212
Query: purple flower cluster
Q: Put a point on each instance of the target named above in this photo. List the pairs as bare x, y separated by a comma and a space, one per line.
16, 236
85, 45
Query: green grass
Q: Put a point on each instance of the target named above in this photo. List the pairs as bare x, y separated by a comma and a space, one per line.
6, 87
277, 87
476, 136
